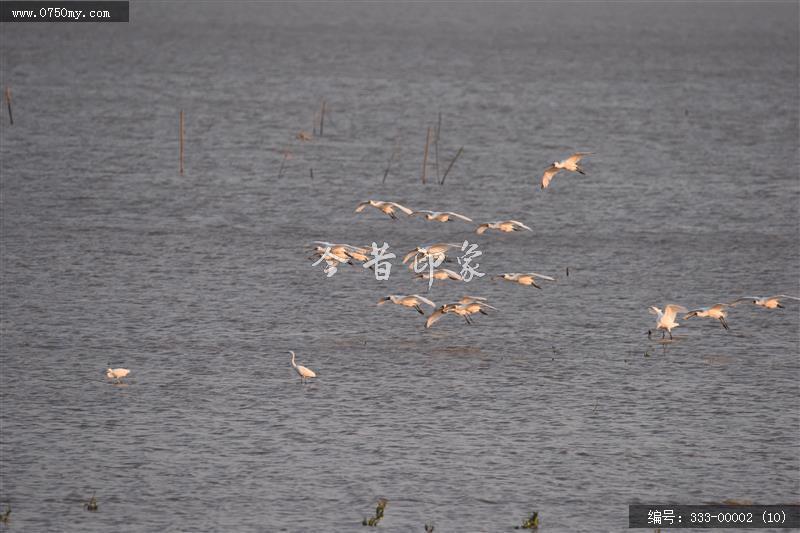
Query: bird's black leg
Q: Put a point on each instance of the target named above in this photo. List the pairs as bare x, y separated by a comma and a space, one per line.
420, 311
670, 335
779, 306
724, 324
662, 333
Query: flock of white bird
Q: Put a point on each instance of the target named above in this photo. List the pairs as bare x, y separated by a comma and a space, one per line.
665, 320
336, 253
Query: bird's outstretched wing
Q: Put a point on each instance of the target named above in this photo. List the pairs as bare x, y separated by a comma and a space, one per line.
402, 208
482, 228
574, 158
456, 215
541, 276
424, 300
671, 311
423, 212
520, 224
360, 207
452, 275
783, 296
548, 175
749, 299
435, 316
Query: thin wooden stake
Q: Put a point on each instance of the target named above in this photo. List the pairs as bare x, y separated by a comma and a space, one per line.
425, 156
436, 145
451, 165
8, 103
395, 153
322, 118
181, 134
283, 162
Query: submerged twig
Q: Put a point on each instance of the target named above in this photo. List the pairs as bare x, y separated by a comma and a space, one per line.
436, 145
395, 153
446, 172
425, 156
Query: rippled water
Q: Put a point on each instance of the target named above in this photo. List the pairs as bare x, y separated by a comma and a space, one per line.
200, 283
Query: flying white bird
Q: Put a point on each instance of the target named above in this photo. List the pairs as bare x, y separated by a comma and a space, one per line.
767, 302
502, 225
666, 320
411, 300
441, 274
441, 216
387, 207
460, 309
436, 252
715, 311
526, 278
303, 372
117, 373
570, 163
342, 253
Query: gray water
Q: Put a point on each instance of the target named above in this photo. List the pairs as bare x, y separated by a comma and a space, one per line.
200, 283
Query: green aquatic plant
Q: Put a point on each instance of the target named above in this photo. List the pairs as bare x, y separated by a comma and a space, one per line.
530, 523
378, 514
91, 505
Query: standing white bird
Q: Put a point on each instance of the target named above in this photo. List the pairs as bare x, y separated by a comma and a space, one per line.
666, 319
502, 225
767, 302
387, 207
411, 300
303, 372
526, 278
570, 163
117, 373
715, 311
441, 216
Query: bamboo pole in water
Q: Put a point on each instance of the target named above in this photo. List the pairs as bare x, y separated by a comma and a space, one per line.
425, 156
451, 165
436, 145
322, 118
395, 153
181, 136
8, 104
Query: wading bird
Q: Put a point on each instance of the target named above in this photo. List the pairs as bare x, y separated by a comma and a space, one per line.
441, 216
767, 302
387, 207
502, 225
715, 311
117, 373
526, 278
570, 163
303, 372
665, 320
411, 300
